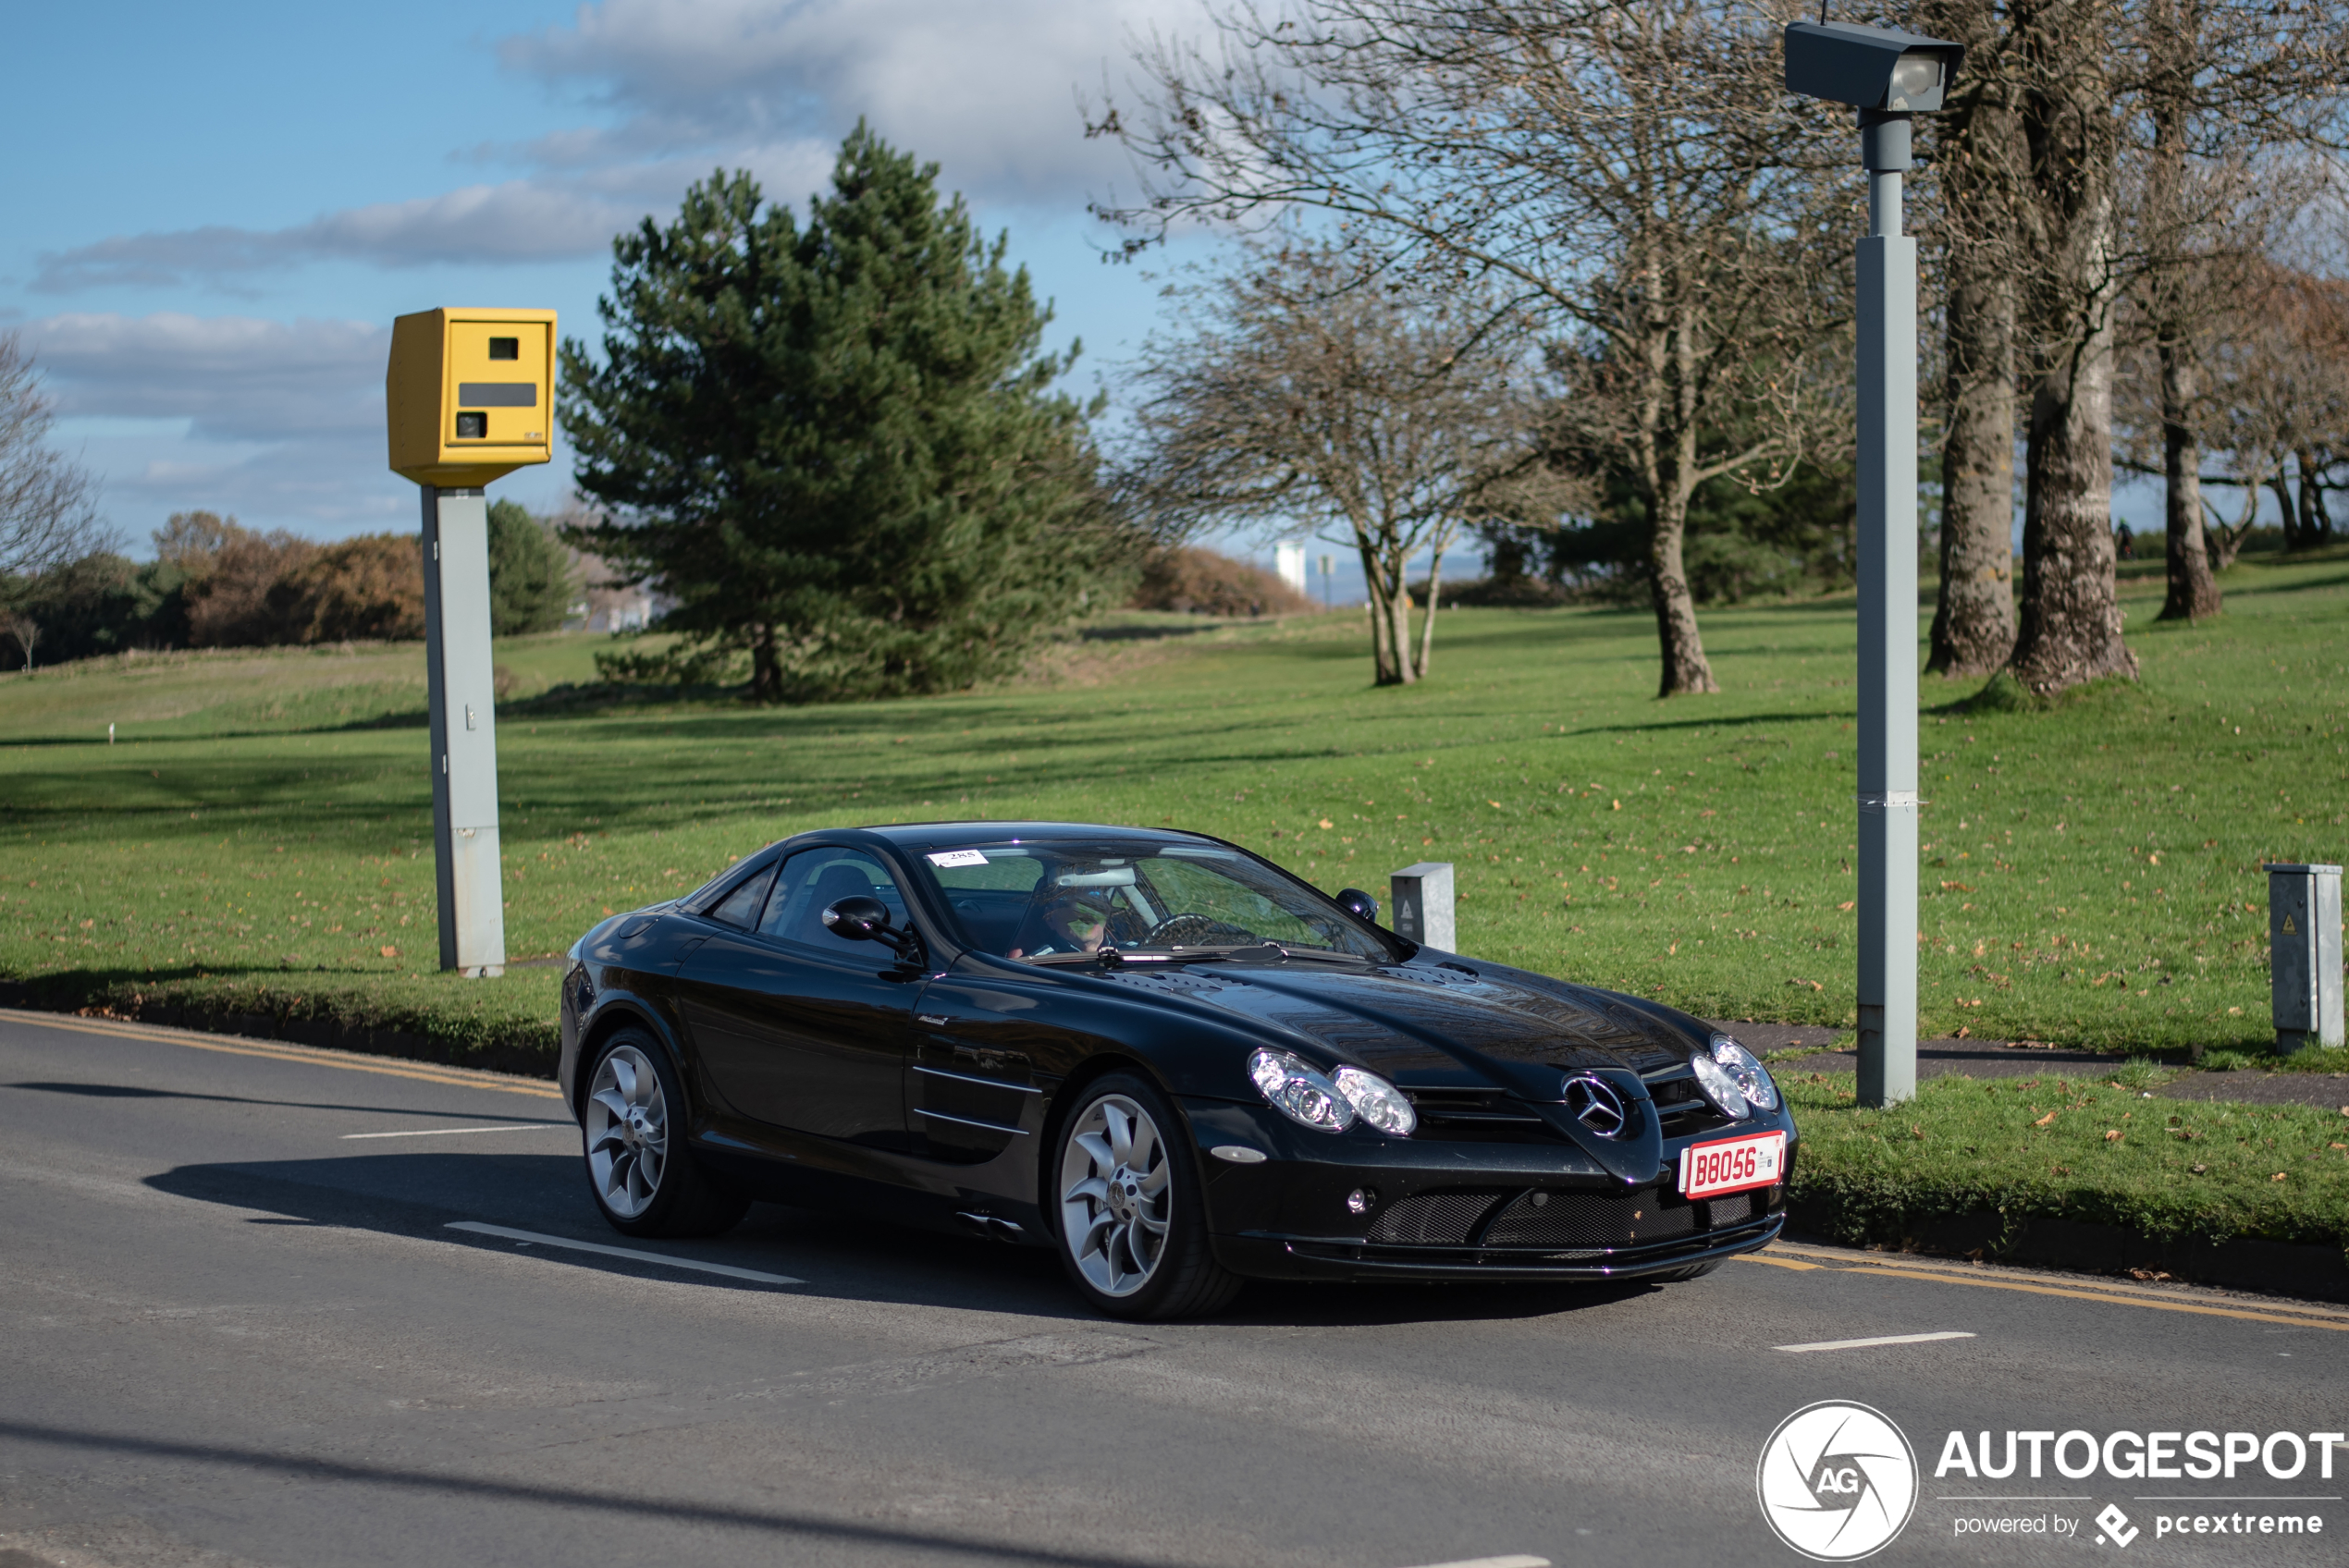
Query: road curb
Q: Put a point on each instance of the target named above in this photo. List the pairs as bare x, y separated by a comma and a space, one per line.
2284, 1268
323, 1032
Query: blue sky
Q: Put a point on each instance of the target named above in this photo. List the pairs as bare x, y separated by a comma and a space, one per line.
215, 211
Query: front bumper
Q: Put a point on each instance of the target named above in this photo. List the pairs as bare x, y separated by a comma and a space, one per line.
1457, 1209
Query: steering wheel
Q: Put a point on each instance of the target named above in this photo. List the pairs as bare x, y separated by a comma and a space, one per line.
1197, 931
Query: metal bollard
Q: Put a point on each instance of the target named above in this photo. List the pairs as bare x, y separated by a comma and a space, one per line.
1423, 903
2304, 954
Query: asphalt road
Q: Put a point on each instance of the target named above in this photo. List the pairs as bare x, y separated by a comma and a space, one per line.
238, 1327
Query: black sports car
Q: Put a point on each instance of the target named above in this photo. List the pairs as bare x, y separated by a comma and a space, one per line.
1164, 1057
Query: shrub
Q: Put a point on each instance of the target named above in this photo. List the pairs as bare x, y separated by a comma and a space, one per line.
371, 588
1193, 582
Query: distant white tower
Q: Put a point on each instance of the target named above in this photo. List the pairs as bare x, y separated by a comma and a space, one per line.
1288, 560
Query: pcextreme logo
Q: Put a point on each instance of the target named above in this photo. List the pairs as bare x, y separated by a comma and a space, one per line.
1837, 1481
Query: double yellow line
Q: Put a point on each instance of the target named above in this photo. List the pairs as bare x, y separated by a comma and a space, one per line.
1801, 1258
273, 1050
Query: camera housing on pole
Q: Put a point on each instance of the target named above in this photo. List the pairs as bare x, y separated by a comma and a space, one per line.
468, 398
1885, 74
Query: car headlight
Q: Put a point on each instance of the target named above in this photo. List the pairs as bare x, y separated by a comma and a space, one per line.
1377, 1101
1301, 1091
1720, 1089
1752, 1079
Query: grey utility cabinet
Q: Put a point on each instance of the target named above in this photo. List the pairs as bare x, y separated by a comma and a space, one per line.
2304, 954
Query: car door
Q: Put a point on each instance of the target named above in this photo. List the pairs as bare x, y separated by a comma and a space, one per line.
800, 1029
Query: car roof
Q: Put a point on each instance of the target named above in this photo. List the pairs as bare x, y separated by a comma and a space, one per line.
925, 835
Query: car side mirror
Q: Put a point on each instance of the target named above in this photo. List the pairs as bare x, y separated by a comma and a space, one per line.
1359, 904
858, 919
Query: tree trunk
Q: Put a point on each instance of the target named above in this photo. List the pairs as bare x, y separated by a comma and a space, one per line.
2071, 631
2312, 529
2281, 483
1685, 670
1426, 629
1390, 606
1974, 622
2194, 593
2229, 543
766, 670
1980, 149
2070, 624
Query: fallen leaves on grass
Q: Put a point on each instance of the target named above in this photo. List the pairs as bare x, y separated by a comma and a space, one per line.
2113, 1136
391, 951
2044, 1120
1847, 903
1798, 985
2277, 1176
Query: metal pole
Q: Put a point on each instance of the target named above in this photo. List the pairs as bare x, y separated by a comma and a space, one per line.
464, 738
1887, 547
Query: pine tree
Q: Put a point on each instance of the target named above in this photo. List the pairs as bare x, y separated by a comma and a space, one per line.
833, 445
532, 582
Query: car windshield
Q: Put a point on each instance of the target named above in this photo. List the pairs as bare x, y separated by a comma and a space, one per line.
1064, 901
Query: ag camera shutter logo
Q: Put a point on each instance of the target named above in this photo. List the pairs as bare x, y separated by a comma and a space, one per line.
1837, 1481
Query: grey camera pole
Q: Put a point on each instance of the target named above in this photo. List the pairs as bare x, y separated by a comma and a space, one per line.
1887, 527
463, 690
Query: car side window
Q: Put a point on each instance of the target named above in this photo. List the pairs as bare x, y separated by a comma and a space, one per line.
741, 906
814, 880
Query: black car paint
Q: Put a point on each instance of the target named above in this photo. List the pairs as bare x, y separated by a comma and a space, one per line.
924, 1087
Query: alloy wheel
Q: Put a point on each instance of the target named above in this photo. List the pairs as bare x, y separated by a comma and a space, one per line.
1116, 1194
627, 1132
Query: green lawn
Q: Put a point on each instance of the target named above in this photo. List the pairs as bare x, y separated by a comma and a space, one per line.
262, 820
2093, 1150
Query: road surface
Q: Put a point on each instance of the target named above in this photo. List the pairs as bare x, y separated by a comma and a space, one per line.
268, 1305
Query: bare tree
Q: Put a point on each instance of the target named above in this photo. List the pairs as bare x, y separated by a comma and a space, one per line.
48, 510
2273, 396
2090, 179
1301, 393
1636, 174
19, 625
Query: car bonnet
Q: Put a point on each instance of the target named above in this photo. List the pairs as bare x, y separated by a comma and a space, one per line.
1427, 1023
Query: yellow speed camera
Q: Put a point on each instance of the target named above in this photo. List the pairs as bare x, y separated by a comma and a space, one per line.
470, 395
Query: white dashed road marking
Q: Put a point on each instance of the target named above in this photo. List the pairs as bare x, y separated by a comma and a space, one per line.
452, 1131
1881, 1340
696, 1265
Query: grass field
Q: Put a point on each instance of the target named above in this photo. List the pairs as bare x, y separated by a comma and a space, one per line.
2093, 1150
2092, 871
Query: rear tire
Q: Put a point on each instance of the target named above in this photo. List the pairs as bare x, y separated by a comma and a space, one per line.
632, 1126
1124, 1194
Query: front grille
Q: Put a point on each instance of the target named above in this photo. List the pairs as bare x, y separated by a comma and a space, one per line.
1589, 1219
1483, 1116
1553, 1221
1736, 1208
1438, 1218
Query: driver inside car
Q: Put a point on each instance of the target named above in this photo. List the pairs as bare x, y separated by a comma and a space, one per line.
1075, 924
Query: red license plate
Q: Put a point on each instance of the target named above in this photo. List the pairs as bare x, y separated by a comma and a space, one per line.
1709, 1169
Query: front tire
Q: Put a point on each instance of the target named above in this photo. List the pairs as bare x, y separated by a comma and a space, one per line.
1126, 1198
633, 1127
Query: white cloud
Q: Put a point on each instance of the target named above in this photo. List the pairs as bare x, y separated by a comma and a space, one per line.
234, 378
517, 221
989, 91
988, 87
280, 422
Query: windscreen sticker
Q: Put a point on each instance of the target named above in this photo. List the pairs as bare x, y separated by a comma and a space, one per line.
958, 857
